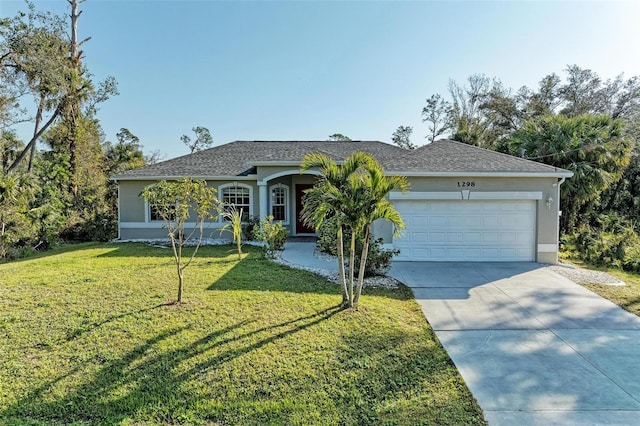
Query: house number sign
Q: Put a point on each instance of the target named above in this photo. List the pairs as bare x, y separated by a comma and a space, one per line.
466, 184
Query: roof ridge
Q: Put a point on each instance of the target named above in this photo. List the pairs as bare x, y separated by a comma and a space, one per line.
512, 157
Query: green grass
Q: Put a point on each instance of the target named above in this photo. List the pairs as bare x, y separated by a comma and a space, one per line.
87, 337
627, 296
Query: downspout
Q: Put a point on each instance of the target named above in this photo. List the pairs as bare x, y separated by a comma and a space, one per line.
560, 182
118, 183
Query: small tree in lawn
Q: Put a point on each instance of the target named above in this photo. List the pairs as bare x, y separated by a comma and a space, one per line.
174, 202
234, 216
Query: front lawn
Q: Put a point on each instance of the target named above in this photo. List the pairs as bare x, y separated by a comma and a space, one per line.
86, 337
627, 296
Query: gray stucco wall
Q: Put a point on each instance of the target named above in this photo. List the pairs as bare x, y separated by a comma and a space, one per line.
133, 223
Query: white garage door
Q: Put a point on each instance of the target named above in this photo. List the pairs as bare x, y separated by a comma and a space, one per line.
467, 230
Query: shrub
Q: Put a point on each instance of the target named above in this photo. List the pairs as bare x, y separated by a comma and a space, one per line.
98, 227
378, 259
609, 241
248, 228
327, 237
272, 233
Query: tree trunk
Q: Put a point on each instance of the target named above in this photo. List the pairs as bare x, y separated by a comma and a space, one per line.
343, 279
352, 266
180, 283
363, 266
36, 129
33, 140
73, 108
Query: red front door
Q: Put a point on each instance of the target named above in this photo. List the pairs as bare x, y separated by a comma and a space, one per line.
300, 226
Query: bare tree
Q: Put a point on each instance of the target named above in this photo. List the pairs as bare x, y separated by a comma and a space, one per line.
436, 114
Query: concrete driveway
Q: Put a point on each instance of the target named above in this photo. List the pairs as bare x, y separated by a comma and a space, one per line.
533, 347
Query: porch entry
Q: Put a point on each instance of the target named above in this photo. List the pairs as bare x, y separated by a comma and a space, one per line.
301, 228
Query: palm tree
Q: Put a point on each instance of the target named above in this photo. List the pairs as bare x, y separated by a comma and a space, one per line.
329, 197
373, 206
594, 148
354, 194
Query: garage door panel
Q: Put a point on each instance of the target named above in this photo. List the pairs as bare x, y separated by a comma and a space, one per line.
491, 221
454, 221
490, 237
438, 237
455, 237
467, 230
437, 221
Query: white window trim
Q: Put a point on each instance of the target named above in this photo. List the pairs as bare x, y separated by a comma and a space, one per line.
287, 205
224, 186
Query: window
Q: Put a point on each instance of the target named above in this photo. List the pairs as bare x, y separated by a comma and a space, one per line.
154, 215
240, 197
279, 202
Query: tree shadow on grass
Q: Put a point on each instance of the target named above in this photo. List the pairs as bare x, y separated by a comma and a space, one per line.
163, 250
147, 383
403, 377
256, 273
87, 327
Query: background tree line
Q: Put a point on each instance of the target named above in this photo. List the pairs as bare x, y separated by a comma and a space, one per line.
580, 123
55, 185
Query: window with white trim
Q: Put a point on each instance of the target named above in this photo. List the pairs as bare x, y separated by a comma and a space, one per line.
153, 215
239, 196
280, 202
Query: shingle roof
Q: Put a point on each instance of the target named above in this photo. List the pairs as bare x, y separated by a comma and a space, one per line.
451, 156
240, 157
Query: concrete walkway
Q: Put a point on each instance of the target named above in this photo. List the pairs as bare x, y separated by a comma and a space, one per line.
533, 347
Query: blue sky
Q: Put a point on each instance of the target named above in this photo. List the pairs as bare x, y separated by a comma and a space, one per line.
304, 70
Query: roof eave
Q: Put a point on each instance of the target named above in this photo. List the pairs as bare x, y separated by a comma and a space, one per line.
286, 163
558, 174
118, 178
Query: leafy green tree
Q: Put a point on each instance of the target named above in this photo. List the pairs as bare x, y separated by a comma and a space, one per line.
483, 112
203, 139
402, 137
339, 137
354, 195
623, 197
594, 148
17, 191
124, 155
174, 202
34, 61
10, 147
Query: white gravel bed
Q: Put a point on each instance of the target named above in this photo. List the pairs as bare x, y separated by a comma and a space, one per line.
332, 276
585, 276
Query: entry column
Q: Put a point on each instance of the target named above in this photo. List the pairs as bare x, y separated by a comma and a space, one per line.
262, 199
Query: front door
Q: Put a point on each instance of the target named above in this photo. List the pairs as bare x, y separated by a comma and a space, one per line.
301, 228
